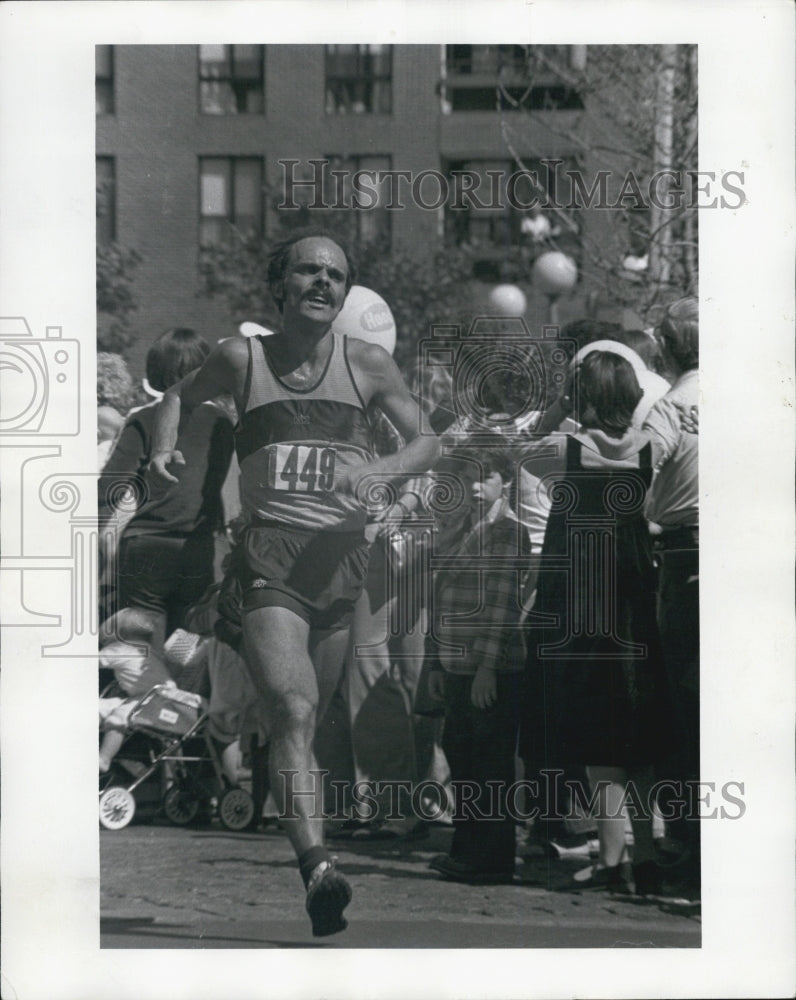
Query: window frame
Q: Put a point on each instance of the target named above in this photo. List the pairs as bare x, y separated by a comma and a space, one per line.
370, 79
111, 200
459, 223
353, 162
229, 78
455, 65
109, 80
472, 81
231, 233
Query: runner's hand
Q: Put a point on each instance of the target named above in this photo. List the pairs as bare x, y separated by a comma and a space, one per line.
156, 472
363, 484
349, 482
392, 518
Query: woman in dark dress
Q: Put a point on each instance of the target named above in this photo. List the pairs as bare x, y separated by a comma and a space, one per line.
594, 667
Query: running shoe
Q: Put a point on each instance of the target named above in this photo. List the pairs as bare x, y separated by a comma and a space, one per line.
328, 894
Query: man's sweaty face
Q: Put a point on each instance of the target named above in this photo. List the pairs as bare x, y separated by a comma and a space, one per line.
315, 280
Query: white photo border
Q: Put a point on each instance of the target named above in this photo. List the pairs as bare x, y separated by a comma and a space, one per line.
50, 843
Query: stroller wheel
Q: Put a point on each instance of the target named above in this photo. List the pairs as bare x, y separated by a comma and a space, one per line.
116, 808
236, 809
180, 805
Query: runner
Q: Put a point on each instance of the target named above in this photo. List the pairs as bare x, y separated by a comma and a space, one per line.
304, 450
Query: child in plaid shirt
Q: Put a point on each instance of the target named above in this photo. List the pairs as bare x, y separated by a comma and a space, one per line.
477, 666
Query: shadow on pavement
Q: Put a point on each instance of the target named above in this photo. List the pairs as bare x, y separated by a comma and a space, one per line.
144, 932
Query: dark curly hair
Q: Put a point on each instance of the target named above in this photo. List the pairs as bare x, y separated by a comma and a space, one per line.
114, 382
280, 254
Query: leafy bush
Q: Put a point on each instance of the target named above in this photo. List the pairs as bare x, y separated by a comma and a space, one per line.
421, 290
115, 300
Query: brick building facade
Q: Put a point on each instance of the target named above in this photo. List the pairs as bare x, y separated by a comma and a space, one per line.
189, 141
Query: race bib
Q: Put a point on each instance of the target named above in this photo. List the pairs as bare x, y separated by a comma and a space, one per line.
301, 468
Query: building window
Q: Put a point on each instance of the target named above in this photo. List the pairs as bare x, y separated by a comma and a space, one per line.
507, 78
491, 59
358, 79
106, 200
231, 79
486, 219
354, 185
103, 79
499, 212
230, 199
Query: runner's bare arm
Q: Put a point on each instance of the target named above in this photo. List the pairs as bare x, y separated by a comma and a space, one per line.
222, 372
379, 377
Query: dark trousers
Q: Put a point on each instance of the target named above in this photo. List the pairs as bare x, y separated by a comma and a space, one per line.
678, 623
165, 574
480, 745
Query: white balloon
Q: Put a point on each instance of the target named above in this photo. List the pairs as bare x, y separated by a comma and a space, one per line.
554, 273
366, 316
255, 330
634, 263
508, 300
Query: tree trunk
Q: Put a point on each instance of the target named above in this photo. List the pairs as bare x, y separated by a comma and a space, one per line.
660, 262
691, 255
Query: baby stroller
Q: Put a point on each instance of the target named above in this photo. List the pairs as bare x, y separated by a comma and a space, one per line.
173, 723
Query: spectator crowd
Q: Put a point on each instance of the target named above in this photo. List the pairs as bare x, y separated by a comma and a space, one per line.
524, 655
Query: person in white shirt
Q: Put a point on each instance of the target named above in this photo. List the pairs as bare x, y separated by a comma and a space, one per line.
673, 505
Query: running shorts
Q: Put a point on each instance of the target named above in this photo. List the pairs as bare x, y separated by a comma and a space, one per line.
318, 575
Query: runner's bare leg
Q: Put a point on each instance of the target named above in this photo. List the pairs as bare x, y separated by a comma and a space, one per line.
327, 652
278, 644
